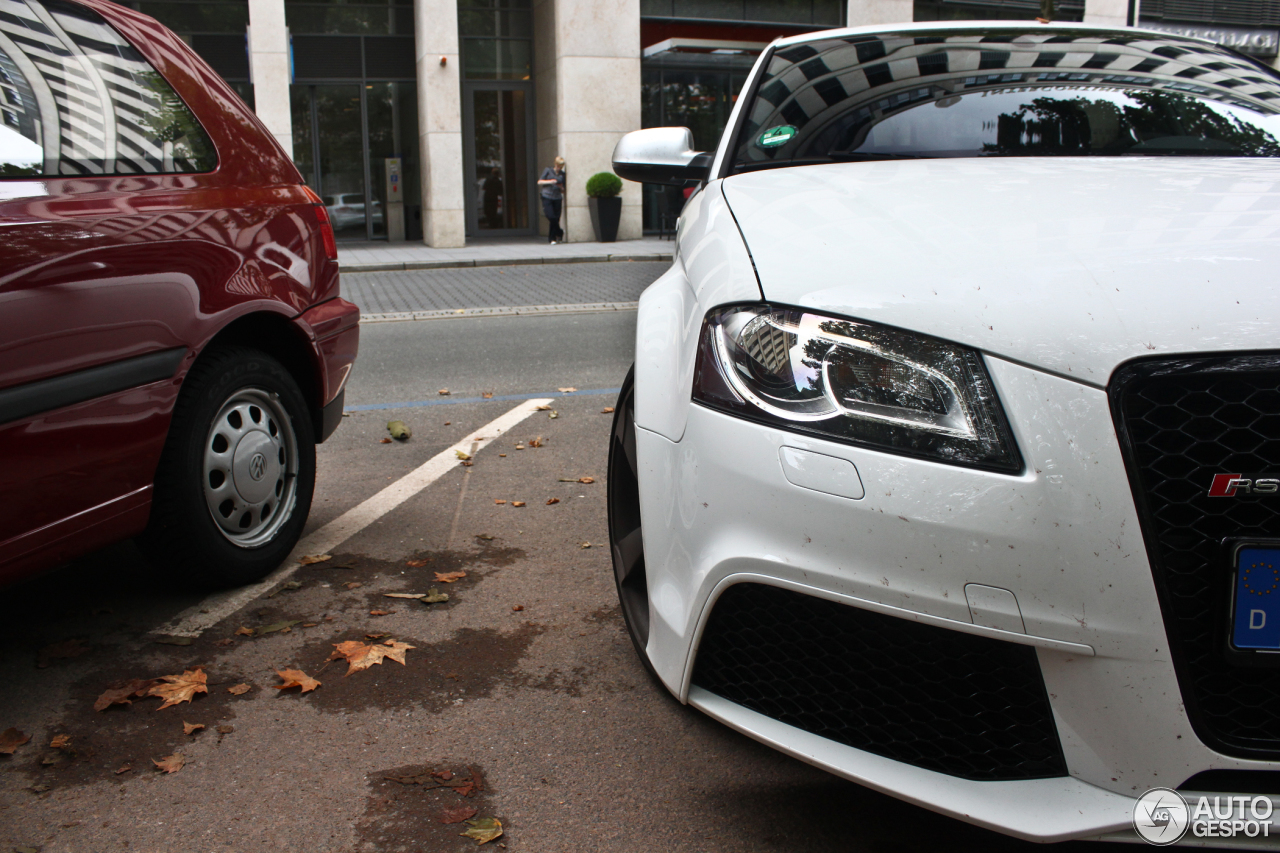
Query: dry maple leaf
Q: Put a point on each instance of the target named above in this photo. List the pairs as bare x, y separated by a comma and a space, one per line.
60, 741
384, 441
517, 503
517, 607
417, 564
239, 689
180, 688
318, 558
499, 501
191, 728
483, 829
296, 678
457, 813
360, 655
488, 395
607, 410
11, 739
449, 577
443, 392
125, 769
543, 409
586, 480
535, 442
353, 584
125, 694
461, 454
242, 631
551, 501
170, 763
381, 612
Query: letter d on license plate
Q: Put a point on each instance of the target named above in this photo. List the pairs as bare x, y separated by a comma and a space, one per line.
1256, 621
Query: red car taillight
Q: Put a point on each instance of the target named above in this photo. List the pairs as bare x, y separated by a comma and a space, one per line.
326, 227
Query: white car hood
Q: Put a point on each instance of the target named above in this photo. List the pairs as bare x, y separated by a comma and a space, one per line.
1072, 265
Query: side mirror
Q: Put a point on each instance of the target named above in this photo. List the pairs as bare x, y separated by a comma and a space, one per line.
661, 155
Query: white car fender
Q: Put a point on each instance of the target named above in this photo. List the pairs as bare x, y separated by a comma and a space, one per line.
718, 271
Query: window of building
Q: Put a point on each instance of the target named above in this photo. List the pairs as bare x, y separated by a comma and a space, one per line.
497, 39
351, 17
80, 100
995, 10
818, 13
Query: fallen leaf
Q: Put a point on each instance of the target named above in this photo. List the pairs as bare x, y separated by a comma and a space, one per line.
361, 656
463, 455
517, 503
553, 414
519, 447
376, 636
191, 728
311, 561
484, 537
585, 545
435, 597
239, 689
309, 624
517, 607
535, 442
586, 480
71, 648
384, 441
543, 409
353, 584
417, 564
170, 763
607, 410
457, 813
180, 688
124, 694
381, 612
279, 626
166, 640
60, 741
566, 390
499, 501
448, 423
449, 577
227, 641
296, 678
488, 395
290, 585
399, 430
551, 501
466, 463
124, 769
226, 730
503, 455
443, 392
11, 739
403, 595
242, 631
483, 829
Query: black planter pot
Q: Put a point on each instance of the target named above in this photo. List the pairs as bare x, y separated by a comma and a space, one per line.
606, 213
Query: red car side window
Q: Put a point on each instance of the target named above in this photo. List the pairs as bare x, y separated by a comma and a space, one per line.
77, 99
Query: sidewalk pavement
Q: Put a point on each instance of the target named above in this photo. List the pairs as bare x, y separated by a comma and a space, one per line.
497, 291
495, 251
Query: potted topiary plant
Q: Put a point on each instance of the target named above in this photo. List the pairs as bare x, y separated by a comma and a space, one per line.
606, 206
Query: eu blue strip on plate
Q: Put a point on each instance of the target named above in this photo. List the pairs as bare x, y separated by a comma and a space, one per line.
1257, 611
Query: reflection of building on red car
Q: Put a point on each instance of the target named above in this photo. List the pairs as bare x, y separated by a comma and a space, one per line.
172, 344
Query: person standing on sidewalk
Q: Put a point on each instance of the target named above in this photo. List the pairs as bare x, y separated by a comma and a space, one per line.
551, 186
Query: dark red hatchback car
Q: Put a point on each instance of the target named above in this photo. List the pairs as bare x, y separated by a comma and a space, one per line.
172, 343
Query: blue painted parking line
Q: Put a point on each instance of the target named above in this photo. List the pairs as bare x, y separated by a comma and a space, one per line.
497, 398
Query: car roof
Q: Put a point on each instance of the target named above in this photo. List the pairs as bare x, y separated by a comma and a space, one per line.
977, 27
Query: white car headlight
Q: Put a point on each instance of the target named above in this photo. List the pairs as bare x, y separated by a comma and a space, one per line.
855, 382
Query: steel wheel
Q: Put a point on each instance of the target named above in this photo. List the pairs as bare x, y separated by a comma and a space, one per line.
251, 467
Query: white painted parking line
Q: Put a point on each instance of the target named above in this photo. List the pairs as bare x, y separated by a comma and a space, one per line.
193, 621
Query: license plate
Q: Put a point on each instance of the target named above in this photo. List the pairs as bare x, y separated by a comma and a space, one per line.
1256, 621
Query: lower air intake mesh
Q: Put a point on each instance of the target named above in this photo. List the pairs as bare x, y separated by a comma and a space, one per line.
959, 704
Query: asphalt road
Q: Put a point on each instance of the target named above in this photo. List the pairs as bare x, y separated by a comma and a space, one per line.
524, 681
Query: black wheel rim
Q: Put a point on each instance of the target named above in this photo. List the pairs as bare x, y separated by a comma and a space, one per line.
625, 534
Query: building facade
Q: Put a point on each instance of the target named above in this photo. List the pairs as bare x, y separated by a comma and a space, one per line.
431, 119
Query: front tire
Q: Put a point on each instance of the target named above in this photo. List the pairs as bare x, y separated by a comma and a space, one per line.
235, 480
626, 535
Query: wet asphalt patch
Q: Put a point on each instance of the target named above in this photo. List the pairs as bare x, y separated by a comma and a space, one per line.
425, 808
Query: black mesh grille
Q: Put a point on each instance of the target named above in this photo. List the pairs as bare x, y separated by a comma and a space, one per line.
1181, 422
955, 703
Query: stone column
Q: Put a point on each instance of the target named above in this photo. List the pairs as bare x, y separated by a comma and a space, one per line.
587, 73
869, 12
435, 27
1111, 13
269, 66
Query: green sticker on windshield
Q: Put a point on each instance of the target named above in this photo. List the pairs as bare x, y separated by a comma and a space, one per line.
775, 136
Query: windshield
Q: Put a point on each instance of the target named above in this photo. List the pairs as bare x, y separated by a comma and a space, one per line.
1007, 92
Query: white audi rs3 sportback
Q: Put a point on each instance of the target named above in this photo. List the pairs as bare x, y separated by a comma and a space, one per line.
950, 460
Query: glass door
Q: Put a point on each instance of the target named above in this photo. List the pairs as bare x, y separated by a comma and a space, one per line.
500, 171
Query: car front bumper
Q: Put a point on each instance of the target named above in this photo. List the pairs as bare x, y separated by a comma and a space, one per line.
1063, 537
